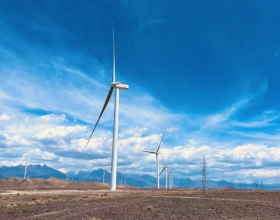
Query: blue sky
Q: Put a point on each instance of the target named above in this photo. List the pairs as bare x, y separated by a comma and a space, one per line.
208, 72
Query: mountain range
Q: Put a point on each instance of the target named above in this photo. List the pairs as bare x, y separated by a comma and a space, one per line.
142, 181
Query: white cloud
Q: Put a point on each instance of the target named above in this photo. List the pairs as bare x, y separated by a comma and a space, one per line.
250, 152
263, 120
37, 154
258, 135
5, 117
60, 131
83, 75
53, 118
172, 129
259, 174
225, 115
3, 95
16, 139
133, 132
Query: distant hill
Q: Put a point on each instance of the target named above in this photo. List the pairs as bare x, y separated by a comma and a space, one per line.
97, 175
33, 171
142, 181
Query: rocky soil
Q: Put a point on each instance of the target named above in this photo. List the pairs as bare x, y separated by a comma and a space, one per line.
140, 204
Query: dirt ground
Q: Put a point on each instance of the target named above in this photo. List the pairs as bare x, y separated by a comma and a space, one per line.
139, 204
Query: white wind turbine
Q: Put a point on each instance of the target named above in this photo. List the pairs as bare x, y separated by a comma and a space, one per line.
170, 177
104, 177
117, 86
157, 153
164, 168
25, 169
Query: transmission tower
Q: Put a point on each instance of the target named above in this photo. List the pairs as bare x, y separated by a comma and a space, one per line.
204, 174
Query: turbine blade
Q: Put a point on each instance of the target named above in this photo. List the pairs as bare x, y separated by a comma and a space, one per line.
151, 152
163, 159
114, 73
104, 107
162, 170
160, 141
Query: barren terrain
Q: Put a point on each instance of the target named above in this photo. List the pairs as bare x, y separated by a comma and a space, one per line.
139, 204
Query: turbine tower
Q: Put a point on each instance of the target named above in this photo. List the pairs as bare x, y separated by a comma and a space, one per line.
117, 86
157, 153
25, 169
104, 177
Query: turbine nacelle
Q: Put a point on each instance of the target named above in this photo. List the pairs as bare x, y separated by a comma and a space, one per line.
120, 85
151, 152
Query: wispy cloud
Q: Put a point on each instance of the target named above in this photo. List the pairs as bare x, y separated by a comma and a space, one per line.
225, 115
263, 120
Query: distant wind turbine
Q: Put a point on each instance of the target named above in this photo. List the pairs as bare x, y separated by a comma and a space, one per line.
164, 168
170, 177
157, 153
117, 86
25, 169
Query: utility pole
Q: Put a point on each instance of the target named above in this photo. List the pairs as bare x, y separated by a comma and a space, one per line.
204, 174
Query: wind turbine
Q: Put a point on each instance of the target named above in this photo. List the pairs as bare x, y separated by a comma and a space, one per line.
104, 177
170, 177
117, 86
156, 153
170, 181
25, 169
164, 168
